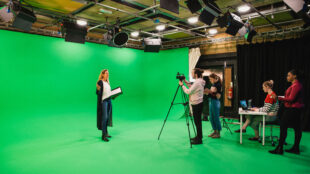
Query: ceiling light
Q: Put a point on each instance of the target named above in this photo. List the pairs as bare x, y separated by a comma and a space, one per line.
160, 27
81, 22
213, 31
192, 20
243, 8
135, 34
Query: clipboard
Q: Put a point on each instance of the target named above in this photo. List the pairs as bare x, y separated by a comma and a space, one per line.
116, 92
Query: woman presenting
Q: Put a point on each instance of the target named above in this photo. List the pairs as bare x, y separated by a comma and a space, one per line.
104, 105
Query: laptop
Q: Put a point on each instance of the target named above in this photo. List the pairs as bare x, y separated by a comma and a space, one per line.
244, 105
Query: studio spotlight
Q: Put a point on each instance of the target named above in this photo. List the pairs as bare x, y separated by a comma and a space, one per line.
301, 8
234, 24
170, 5
192, 20
209, 12
22, 18
160, 27
151, 45
115, 37
243, 8
212, 31
81, 22
74, 32
135, 34
193, 5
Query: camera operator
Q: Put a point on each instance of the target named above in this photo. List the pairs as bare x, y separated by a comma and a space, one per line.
195, 93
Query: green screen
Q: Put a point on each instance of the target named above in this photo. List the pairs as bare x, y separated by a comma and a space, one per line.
44, 73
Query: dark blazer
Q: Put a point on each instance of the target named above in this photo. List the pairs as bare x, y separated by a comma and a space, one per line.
99, 107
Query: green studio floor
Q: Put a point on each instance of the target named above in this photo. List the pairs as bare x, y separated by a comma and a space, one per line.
67, 142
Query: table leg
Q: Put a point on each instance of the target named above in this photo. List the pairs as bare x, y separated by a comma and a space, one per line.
263, 130
240, 128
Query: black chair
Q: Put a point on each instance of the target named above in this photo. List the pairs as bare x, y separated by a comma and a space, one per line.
271, 125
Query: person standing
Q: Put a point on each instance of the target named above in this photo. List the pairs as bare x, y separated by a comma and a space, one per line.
293, 105
104, 105
195, 92
214, 94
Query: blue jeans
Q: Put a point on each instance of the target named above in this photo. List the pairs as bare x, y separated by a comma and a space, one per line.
214, 111
106, 111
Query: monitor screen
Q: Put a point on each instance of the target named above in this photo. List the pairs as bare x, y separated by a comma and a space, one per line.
243, 104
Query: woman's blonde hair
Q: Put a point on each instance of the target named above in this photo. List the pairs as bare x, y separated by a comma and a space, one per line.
268, 83
101, 75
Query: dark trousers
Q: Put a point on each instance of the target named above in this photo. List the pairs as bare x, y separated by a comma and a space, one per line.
291, 118
106, 111
197, 111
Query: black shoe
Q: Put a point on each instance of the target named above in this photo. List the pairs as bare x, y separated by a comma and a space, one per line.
109, 136
238, 131
277, 150
196, 141
194, 138
104, 138
293, 150
254, 138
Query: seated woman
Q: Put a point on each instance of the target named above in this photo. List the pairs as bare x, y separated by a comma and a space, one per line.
271, 106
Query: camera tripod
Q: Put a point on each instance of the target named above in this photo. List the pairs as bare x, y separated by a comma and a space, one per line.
186, 110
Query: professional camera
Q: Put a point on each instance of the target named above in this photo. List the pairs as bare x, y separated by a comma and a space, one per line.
181, 77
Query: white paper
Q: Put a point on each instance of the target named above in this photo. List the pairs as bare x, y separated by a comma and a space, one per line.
116, 91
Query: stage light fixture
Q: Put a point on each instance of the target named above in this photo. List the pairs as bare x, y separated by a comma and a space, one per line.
243, 8
152, 45
234, 24
81, 22
160, 27
209, 12
22, 17
192, 20
212, 31
193, 5
135, 34
74, 32
170, 5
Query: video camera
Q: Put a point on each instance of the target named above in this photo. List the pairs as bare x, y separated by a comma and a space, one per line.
181, 77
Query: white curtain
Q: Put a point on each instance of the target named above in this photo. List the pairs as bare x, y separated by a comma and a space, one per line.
193, 57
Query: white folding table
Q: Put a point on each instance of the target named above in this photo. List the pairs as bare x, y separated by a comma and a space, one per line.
254, 113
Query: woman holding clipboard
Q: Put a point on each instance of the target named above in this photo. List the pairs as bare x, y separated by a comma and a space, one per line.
104, 104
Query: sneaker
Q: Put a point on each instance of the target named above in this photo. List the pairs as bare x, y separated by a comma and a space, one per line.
211, 134
216, 135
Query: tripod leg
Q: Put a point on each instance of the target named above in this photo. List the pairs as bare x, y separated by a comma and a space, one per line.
186, 109
168, 112
189, 113
189, 133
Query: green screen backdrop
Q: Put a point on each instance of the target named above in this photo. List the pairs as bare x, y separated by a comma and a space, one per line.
45, 75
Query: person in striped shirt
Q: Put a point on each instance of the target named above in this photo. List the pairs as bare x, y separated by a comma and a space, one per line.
271, 106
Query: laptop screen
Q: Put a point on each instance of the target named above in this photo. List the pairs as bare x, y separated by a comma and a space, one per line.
243, 104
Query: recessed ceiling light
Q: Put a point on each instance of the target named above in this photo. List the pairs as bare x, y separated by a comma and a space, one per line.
243, 8
192, 20
160, 27
135, 34
212, 31
81, 22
